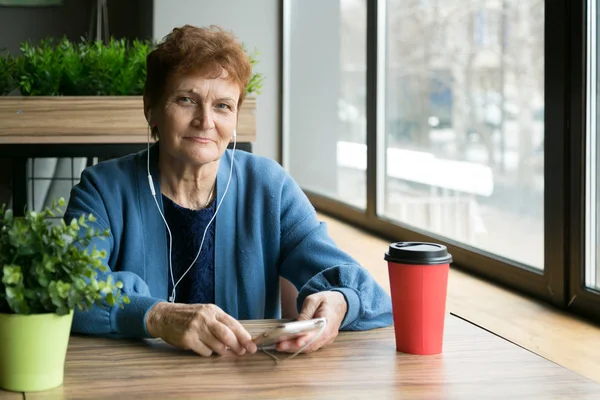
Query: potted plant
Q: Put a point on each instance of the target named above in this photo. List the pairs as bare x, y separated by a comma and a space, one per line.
46, 272
87, 92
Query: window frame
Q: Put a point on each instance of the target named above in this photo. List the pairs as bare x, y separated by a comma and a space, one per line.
561, 282
582, 300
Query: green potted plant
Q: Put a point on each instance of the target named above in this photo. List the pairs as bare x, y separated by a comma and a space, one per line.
87, 92
46, 272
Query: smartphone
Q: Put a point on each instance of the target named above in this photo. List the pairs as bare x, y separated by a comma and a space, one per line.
289, 330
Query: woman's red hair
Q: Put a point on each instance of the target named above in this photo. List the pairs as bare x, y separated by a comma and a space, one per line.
189, 49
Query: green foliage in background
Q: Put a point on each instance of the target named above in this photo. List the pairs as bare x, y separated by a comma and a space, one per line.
39, 69
7, 73
56, 67
47, 268
257, 79
93, 68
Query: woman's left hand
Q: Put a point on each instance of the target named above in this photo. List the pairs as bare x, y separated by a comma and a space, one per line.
331, 305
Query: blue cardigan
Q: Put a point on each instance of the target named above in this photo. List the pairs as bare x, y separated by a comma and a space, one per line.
266, 228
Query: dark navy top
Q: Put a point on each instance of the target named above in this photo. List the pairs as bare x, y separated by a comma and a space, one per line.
187, 227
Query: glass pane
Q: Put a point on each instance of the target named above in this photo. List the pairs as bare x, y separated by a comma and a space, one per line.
325, 96
592, 262
464, 122
49, 179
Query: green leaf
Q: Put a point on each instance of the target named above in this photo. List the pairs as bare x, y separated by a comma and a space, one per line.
11, 293
44, 281
110, 299
12, 275
8, 216
62, 289
49, 266
63, 310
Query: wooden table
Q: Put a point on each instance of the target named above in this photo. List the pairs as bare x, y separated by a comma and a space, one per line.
475, 364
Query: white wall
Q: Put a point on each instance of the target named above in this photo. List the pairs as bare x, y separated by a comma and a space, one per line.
256, 24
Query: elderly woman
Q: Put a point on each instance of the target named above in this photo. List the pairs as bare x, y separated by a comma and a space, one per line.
200, 235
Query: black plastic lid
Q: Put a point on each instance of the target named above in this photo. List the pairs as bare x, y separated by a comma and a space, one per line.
418, 253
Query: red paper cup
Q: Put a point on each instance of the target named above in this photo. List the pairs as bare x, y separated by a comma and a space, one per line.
418, 275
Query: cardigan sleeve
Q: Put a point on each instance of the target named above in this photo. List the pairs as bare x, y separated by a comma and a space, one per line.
127, 320
311, 260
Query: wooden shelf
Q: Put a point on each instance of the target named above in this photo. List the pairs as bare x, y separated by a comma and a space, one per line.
88, 119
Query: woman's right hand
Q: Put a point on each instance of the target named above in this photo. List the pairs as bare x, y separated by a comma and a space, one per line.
203, 328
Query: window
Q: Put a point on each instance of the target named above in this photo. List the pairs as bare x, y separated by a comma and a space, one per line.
480, 133
324, 87
49, 179
464, 123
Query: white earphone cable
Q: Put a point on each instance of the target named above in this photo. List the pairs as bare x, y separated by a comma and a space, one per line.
211, 220
151, 184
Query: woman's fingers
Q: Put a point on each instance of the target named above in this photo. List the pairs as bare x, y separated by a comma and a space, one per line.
293, 345
242, 335
309, 307
215, 343
330, 305
225, 338
198, 347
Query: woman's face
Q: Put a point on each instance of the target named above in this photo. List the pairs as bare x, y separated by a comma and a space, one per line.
197, 117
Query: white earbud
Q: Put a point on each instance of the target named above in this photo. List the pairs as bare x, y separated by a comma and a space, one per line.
234, 134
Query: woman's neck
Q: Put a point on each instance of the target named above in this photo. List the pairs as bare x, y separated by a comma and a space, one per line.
189, 186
